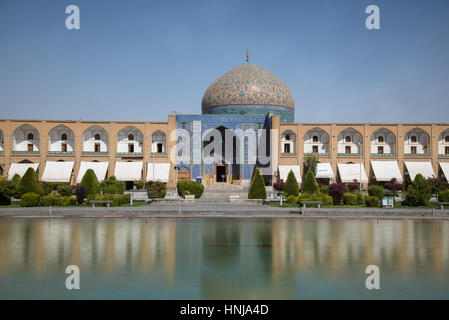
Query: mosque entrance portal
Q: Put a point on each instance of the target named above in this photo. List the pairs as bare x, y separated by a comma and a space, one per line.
220, 171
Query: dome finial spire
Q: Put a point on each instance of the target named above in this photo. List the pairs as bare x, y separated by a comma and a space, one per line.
247, 56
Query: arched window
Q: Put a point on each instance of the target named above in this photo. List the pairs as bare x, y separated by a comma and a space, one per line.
380, 139
347, 139
446, 139
97, 136
315, 139
130, 137
64, 136
413, 139
30, 136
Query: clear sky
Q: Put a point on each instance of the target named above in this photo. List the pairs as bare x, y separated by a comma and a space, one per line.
140, 59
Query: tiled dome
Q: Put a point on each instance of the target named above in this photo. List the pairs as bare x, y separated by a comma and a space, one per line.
248, 84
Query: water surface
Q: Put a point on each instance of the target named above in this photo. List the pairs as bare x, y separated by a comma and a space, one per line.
224, 258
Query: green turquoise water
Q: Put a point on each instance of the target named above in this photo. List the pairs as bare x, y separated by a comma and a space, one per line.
224, 258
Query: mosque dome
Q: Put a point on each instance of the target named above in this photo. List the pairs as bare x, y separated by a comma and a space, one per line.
249, 89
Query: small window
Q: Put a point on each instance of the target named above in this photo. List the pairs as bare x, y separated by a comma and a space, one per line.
446, 150
287, 137
315, 139
413, 150
348, 149
64, 147
287, 148
130, 148
380, 150
380, 139
97, 136
130, 137
347, 139
30, 136
30, 147
413, 139
97, 147
64, 136
159, 148
315, 149
446, 139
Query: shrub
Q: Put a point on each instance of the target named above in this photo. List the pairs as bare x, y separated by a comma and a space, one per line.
30, 199
156, 189
29, 184
139, 184
279, 186
376, 191
360, 198
10, 188
310, 185
257, 187
52, 200
65, 190
372, 201
291, 185
327, 200
192, 187
337, 191
292, 199
317, 196
324, 189
81, 193
353, 186
113, 186
419, 192
16, 179
393, 186
5, 199
350, 199
443, 196
437, 185
117, 199
91, 182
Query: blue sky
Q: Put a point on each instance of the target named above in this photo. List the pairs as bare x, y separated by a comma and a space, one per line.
140, 59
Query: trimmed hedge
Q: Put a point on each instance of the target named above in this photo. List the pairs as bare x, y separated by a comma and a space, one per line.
156, 189
292, 199
117, 199
372, 201
317, 196
190, 187
113, 186
257, 189
65, 190
350, 199
57, 200
30, 199
291, 185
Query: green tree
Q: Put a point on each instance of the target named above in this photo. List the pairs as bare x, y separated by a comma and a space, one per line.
16, 179
29, 183
257, 187
91, 182
291, 185
310, 185
310, 163
112, 186
419, 192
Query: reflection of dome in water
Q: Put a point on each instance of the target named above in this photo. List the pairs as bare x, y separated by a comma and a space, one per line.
249, 89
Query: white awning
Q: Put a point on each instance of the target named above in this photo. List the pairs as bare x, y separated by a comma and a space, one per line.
128, 171
445, 167
56, 171
386, 170
100, 169
20, 169
158, 172
284, 170
324, 171
350, 172
424, 168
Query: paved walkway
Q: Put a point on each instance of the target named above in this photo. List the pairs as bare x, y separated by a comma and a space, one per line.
217, 209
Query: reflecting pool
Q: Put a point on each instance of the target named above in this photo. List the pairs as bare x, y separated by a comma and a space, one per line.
220, 258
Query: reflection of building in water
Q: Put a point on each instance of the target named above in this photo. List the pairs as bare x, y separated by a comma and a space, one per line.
110, 245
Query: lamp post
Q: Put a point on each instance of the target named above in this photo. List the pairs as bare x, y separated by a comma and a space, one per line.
360, 166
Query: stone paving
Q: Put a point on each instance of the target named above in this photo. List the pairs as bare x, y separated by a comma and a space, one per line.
217, 209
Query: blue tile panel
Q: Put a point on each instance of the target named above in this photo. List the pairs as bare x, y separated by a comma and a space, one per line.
286, 114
